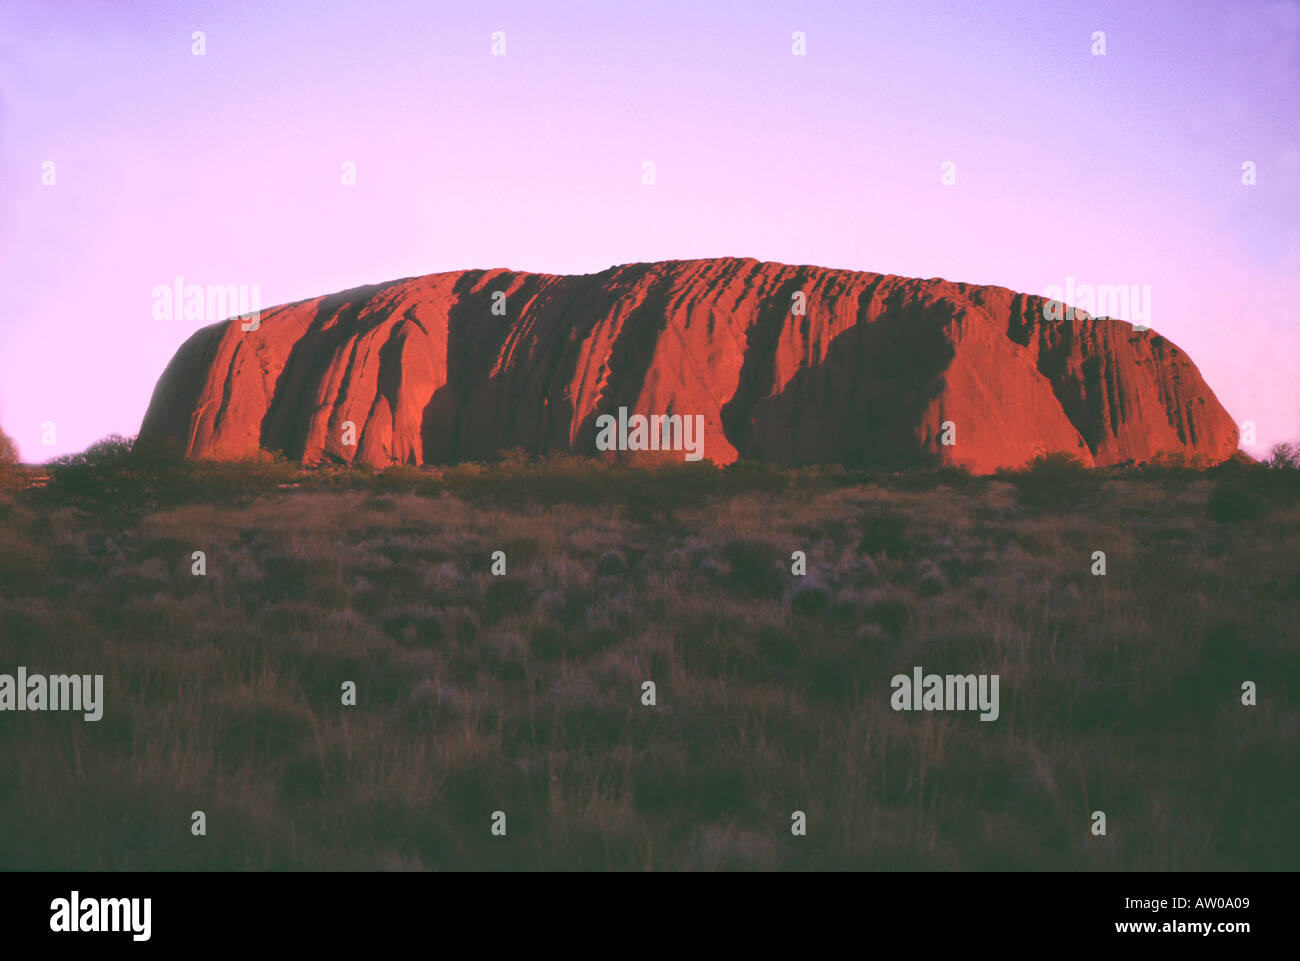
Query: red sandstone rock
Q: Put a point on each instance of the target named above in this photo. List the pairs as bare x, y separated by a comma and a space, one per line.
429, 374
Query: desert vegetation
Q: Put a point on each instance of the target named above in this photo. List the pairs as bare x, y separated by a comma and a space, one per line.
523, 692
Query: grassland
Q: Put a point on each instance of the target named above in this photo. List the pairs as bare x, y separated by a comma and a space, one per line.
522, 693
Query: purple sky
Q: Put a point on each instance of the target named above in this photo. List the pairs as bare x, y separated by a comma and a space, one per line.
227, 168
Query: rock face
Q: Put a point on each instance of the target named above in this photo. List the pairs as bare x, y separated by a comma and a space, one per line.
444, 368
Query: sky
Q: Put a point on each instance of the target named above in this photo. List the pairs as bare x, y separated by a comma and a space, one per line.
1068, 166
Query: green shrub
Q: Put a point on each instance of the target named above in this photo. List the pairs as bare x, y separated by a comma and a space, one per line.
8, 452
102, 479
107, 452
931, 478
1057, 481
237, 481
1232, 502
1284, 457
884, 532
756, 568
399, 477
649, 491
121, 479
11, 475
